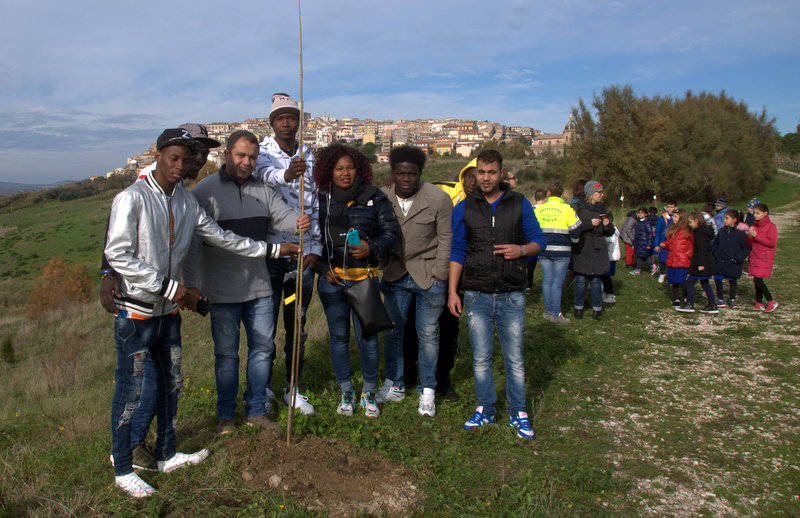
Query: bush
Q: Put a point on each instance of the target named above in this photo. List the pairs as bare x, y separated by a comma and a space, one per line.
61, 284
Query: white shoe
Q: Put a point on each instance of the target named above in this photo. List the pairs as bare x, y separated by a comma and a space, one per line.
427, 406
609, 299
661, 278
134, 486
345, 407
388, 392
180, 460
300, 402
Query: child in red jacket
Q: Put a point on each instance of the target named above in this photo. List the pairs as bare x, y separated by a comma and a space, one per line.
763, 238
680, 241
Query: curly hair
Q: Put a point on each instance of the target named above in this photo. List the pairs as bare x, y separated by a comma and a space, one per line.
407, 153
325, 160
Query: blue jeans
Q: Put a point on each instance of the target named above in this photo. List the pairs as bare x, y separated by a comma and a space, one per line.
256, 315
506, 311
554, 270
338, 314
596, 288
283, 287
428, 307
143, 416
160, 338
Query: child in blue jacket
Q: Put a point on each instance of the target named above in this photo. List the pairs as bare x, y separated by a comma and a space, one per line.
730, 249
642, 240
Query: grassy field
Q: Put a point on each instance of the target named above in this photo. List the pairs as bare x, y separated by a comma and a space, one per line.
645, 412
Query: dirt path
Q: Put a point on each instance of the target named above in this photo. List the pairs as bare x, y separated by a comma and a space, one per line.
707, 417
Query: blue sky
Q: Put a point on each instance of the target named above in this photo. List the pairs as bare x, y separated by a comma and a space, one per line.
85, 84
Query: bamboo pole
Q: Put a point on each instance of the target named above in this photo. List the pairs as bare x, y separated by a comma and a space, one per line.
298, 301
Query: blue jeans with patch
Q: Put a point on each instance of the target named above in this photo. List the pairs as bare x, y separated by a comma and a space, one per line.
554, 270
506, 312
144, 415
428, 307
160, 338
256, 315
338, 313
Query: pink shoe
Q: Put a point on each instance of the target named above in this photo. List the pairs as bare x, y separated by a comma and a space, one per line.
636, 272
771, 306
759, 306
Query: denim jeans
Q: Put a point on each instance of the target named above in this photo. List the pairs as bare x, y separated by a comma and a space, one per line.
256, 315
159, 337
427, 308
554, 270
338, 313
596, 288
283, 286
143, 416
506, 311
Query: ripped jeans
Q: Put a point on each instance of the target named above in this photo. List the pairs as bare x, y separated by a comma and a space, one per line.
159, 337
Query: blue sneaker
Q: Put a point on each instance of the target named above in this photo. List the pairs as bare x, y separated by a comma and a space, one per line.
522, 425
478, 419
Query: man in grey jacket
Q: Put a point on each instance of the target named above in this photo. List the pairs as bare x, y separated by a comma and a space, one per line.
238, 288
417, 269
150, 230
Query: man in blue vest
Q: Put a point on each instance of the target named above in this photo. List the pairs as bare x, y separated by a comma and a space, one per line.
494, 232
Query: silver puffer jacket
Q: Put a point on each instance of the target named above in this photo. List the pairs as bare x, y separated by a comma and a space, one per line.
149, 234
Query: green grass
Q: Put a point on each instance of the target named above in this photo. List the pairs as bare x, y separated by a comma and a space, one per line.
643, 412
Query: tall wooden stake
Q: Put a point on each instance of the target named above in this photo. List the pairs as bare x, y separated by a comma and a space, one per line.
298, 290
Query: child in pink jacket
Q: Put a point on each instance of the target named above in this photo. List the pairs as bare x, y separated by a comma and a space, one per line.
763, 238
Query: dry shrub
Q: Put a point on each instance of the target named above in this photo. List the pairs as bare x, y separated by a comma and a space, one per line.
61, 284
62, 369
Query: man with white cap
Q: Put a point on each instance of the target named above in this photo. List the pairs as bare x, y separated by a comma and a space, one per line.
280, 164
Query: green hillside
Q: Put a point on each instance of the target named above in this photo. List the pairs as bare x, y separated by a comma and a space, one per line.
644, 412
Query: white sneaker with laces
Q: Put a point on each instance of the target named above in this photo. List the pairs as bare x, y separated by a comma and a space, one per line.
609, 299
134, 486
427, 405
180, 460
300, 402
388, 392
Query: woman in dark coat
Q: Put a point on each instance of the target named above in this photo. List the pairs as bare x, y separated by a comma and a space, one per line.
701, 267
590, 253
730, 250
350, 206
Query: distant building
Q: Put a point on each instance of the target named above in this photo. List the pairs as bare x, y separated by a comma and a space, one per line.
554, 142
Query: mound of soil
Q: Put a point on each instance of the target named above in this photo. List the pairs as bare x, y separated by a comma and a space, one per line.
324, 474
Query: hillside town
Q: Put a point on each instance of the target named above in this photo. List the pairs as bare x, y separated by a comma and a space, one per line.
442, 137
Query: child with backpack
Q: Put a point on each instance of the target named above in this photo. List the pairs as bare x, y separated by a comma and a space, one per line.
679, 243
730, 250
763, 239
701, 267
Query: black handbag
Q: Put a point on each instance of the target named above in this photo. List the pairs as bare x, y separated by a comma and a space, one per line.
364, 297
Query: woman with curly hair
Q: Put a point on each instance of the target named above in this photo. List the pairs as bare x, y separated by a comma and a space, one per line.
349, 204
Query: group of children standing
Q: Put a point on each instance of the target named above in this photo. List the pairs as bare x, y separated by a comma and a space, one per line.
686, 247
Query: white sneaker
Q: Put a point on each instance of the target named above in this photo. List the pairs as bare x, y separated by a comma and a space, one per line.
300, 402
367, 402
609, 299
427, 406
180, 460
134, 486
661, 278
388, 392
345, 407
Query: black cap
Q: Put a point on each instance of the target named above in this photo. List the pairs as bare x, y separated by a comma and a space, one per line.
175, 137
200, 133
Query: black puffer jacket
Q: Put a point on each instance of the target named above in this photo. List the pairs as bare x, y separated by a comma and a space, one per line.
590, 253
730, 250
372, 215
701, 254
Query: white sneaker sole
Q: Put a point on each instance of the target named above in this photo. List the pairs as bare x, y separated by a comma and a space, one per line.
198, 457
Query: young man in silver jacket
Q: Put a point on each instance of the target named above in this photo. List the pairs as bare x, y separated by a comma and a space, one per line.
151, 227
